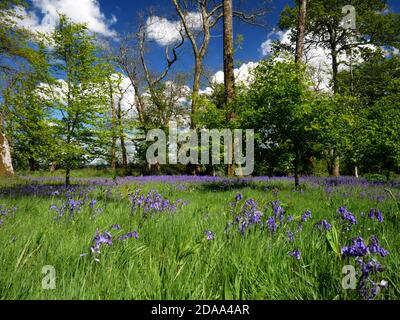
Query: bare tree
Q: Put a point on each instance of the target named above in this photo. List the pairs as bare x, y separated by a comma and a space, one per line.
210, 13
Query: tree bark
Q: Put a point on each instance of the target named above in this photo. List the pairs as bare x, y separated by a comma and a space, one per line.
296, 170
301, 29
113, 161
229, 75
122, 137
6, 168
68, 176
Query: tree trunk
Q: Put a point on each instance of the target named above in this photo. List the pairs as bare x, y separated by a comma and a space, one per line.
335, 70
114, 132
335, 168
300, 38
6, 168
68, 176
301, 28
296, 171
229, 75
196, 90
122, 138
32, 164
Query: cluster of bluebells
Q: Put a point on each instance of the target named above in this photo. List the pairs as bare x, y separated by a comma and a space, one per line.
70, 207
246, 216
348, 219
106, 238
153, 202
368, 265
6, 212
323, 225
375, 214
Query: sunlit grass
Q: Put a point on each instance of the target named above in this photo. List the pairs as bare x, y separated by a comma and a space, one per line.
172, 258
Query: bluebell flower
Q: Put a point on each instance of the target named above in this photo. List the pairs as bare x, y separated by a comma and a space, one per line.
271, 223
306, 215
323, 225
357, 249
347, 216
290, 236
375, 247
238, 197
375, 214
209, 235
295, 254
130, 235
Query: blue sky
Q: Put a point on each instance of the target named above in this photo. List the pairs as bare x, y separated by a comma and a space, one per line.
126, 10
119, 16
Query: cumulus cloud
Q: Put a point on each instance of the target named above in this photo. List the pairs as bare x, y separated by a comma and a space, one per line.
166, 32
243, 76
43, 16
275, 35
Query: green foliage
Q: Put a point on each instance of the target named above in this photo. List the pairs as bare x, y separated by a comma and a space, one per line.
278, 106
83, 97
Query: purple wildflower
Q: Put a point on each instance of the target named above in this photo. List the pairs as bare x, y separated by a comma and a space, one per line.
290, 236
306, 215
374, 247
323, 225
347, 216
238, 197
375, 214
295, 254
130, 235
357, 249
271, 223
209, 235
116, 227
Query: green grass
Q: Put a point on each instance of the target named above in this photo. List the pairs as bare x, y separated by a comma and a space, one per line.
172, 258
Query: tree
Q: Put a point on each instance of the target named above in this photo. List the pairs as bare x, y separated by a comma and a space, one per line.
81, 97
30, 130
279, 109
209, 14
14, 51
324, 28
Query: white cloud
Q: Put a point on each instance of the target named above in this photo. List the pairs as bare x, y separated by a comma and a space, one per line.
282, 36
166, 32
82, 11
242, 74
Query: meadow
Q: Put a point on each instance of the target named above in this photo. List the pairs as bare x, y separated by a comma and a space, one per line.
182, 237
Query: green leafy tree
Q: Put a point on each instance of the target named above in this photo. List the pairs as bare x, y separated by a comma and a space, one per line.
279, 109
30, 128
80, 96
